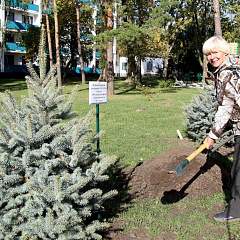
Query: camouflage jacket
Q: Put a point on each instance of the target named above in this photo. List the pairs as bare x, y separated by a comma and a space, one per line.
227, 77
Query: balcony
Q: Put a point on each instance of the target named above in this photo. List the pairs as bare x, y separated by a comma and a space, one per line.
14, 47
29, 6
18, 25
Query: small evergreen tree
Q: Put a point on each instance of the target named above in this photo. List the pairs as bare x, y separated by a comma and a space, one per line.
200, 114
49, 173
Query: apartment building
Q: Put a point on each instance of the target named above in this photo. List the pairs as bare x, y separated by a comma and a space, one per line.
14, 21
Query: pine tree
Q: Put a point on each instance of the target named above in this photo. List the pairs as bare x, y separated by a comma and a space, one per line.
49, 172
200, 114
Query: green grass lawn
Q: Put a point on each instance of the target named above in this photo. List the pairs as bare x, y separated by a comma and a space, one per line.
138, 125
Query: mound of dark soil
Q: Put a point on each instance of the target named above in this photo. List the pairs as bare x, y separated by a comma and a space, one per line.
205, 176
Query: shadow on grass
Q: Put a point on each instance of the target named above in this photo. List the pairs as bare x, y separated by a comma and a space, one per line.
20, 84
171, 90
130, 91
134, 91
118, 179
222, 162
12, 85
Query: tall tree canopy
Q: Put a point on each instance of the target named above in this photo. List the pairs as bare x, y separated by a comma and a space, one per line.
171, 30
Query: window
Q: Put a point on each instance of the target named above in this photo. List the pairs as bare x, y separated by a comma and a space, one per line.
9, 38
27, 19
97, 63
124, 66
149, 66
30, 20
23, 60
24, 19
10, 16
9, 59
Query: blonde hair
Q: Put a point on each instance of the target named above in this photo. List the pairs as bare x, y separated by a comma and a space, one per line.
216, 43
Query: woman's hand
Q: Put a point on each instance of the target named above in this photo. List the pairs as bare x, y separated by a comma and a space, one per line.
209, 142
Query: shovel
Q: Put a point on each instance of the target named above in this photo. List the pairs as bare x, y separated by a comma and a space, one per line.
179, 169
219, 145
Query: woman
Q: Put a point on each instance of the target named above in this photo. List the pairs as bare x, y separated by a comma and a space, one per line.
226, 72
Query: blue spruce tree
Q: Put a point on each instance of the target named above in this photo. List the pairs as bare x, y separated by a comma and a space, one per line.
200, 114
49, 172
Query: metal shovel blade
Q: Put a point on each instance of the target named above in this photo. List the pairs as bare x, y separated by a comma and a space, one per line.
179, 169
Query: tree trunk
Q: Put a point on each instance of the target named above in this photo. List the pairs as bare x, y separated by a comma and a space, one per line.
165, 67
205, 62
118, 62
218, 29
110, 70
2, 33
48, 35
57, 44
166, 59
138, 75
103, 76
65, 73
79, 43
205, 68
130, 70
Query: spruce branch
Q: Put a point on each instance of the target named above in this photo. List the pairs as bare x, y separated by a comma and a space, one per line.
33, 74
96, 225
5, 107
12, 101
103, 165
81, 183
48, 79
91, 193
76, 152
4, 136
77, 130
68, 129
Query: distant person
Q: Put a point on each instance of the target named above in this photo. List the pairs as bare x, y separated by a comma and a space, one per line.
226, 72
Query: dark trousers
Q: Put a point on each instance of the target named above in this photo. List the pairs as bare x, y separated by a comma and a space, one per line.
233, 208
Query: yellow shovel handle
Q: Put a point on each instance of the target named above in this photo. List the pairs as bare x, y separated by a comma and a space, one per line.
195, 153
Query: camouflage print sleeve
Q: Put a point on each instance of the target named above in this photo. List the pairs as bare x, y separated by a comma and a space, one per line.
226, 101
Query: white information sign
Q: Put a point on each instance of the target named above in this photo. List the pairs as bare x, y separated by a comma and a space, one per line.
97, 92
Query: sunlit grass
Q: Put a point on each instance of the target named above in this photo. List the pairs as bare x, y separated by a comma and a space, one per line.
138, 125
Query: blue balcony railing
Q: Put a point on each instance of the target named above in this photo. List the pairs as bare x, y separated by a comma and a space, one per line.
15, 69
18, 25
14, 47
87, 70
29, 6
33, 7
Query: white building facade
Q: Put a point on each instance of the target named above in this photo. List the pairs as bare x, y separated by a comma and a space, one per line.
14, 21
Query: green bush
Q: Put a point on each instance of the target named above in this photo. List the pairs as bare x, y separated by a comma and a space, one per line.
165, 84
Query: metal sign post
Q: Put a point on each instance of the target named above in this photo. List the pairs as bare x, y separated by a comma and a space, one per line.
97, 95
97, 127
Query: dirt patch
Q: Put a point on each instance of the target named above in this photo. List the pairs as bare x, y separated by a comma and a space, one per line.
205, 176
152, 179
